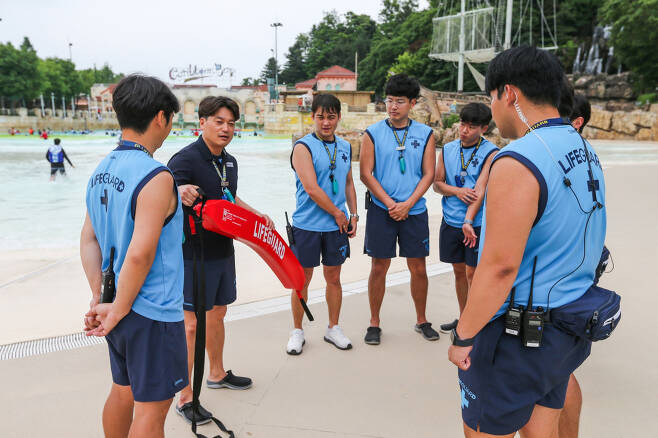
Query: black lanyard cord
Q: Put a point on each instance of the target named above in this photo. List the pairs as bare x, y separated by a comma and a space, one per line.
461, 152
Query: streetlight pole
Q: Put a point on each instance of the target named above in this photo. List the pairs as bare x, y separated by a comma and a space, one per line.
70, 52
52, 102
276, 58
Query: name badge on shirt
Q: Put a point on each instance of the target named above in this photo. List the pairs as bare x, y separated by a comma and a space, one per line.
229, 164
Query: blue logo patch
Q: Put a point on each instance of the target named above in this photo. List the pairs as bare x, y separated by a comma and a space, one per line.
464, 401
344, 157
343, 250
426, 242
466, 394
415, 144
475, 162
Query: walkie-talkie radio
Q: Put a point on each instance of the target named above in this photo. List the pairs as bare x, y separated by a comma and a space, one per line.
108, 287
368, 199
533, 320
291, 237
513, 317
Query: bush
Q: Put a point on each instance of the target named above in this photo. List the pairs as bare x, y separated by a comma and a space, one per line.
647, 98
450, 120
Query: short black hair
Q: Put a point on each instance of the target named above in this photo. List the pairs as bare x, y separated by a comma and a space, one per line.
402, 85
475, 113
537, 73
581, 108
327, 102
137, 99
58, 141
211, 104
566, 98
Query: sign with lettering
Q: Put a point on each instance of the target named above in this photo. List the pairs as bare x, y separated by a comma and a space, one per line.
194, 72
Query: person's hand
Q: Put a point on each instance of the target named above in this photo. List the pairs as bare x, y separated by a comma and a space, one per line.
108, 317
90, 317
470, 238
188, 194
353, 222
460, 356
268, 221
400, 211
341, 221
467, 196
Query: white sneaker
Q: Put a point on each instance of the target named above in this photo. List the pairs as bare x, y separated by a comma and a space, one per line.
296, 342
335, 335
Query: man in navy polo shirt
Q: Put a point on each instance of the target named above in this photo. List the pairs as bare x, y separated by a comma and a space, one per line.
397, 166
542, 232
322, 163
134, 213
462, 171
205, 164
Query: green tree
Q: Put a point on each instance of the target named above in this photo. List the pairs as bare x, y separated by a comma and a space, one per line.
250, 82
336, 39
295, 69
91, 76
60, 77
19, 74
269, 70
394, 13
634, 35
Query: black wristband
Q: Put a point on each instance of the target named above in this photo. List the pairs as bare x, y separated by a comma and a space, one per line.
459, 342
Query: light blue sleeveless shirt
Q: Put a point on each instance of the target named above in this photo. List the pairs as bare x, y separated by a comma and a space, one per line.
399, 186
454, 209
308, 215
111, 201
558, 234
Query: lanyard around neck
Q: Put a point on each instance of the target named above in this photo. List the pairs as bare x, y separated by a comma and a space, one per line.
557, 121
461, 152
132, 144
401, 146
222, 175
332, 159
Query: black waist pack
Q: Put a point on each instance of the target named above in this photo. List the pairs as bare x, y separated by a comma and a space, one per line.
593, 316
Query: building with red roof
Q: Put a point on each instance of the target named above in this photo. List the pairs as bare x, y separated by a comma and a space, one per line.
336, 78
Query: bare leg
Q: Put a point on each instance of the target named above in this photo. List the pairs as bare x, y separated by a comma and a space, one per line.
543, 423
190, 335
377, 287
570, 416
334, 293
418, 286
297, 309
215, 342
461, 284
118, 412
149, 419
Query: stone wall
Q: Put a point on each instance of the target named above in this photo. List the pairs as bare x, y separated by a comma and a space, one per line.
281, 122
621, 125
609, 92
57, 123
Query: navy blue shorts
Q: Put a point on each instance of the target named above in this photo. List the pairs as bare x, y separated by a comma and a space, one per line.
506, 380
334, 247
452, 248
382, 232
149, 356
220, 282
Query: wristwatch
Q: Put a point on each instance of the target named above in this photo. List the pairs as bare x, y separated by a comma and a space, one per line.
468, 221
459, 342
354, 215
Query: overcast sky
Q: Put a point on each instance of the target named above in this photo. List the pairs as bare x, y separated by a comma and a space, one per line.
154, 36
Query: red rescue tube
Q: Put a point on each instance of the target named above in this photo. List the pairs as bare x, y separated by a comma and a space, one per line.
227, 219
